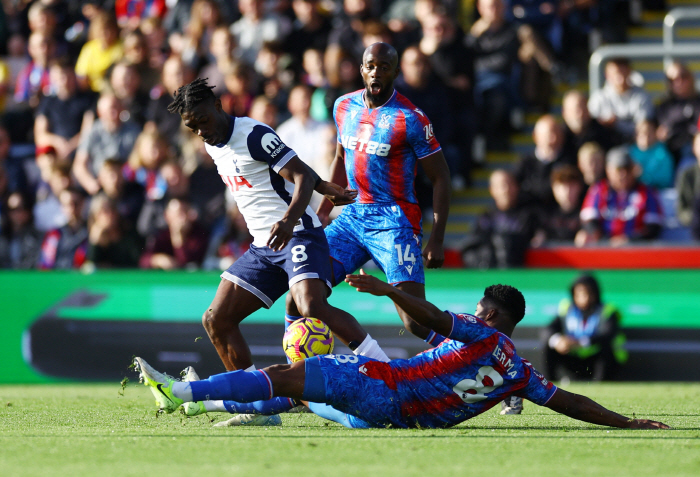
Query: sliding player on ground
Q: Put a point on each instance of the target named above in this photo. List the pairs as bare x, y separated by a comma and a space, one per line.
472, 371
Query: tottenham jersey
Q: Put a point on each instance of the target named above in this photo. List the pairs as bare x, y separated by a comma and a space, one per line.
249, 163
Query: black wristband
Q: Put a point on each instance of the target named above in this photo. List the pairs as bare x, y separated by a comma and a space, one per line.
318, 181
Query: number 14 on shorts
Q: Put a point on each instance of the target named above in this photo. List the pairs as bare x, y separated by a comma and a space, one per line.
405, 255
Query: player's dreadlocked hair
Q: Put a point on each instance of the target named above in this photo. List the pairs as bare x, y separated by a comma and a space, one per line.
508, 299
190, 95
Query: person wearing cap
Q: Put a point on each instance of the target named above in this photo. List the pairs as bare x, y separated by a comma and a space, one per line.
619, 208
584, 339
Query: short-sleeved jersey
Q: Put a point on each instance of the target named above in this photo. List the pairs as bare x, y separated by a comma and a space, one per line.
621, 214
249, 163
382, 146
465, 376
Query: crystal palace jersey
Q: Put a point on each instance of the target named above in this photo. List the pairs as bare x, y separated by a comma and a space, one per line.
463, 377
249, 163
382, 146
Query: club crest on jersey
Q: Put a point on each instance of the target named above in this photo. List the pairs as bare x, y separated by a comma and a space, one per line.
384, 121
272, 144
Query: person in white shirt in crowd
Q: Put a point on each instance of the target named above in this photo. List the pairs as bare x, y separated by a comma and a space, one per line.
306, 135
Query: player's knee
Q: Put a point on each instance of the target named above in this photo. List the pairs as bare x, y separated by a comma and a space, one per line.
214, 321
313, 307
208, 320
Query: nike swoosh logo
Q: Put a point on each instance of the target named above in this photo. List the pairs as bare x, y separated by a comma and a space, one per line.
163, 392
297, 268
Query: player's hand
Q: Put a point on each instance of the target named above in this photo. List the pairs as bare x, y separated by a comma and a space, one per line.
280, 235
369, 284
434, 255
336, 194
647, 424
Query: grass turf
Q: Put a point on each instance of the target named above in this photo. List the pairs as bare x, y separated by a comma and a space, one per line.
89, 430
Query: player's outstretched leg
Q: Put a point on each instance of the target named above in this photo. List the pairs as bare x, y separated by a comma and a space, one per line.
262, 413
240, 386
231, 305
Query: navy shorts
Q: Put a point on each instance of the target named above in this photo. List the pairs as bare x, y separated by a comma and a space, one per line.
268, 274
382, 233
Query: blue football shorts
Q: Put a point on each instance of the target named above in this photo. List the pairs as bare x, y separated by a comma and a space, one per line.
382, 233
368, 402
268, 274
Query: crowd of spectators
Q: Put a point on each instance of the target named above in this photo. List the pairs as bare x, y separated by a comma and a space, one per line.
613, 170
94, 171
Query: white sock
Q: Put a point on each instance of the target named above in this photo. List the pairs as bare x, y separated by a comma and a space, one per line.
371, 349
215, 406
182, 390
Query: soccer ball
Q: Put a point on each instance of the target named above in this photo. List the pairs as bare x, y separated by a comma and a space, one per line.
307, 337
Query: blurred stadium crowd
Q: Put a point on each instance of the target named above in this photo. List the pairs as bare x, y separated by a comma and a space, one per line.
94, 171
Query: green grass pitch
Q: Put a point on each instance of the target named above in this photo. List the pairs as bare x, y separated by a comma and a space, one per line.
91, 430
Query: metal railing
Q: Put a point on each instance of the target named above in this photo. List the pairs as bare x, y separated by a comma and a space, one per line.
671, 20
633, 52
667, 50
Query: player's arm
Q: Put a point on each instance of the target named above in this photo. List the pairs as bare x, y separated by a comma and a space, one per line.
585, 409
338, 176
305, 180
436, 169
421, 311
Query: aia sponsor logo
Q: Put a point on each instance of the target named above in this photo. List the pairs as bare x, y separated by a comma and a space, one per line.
235, 183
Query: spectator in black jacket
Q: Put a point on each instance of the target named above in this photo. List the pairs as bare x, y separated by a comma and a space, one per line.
534, 170
678, 113
580, 127
564, 222
504, 233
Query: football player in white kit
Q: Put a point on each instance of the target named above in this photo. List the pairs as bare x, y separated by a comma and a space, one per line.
272, 188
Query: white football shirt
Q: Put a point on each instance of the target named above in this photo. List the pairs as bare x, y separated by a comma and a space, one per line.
249, 163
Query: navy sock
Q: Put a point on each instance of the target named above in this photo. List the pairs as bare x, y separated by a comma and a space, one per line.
289, 319
269, 407
242, 386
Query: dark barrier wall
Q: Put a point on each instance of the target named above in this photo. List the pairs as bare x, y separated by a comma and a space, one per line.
42, 314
